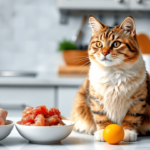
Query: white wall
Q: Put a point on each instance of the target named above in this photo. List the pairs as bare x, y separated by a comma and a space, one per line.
30, 31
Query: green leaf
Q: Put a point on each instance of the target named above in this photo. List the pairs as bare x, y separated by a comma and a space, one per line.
66, 45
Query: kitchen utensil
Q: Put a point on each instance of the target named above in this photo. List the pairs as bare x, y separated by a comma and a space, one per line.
45, 134
116, 20
76, 37
6, 129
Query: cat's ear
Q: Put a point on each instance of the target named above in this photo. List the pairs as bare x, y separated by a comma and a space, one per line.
128, 25
96, 26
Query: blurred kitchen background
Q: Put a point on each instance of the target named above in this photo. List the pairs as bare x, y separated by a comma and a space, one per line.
32, 70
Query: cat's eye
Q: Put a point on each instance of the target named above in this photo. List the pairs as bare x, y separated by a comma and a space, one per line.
116, 44
99, 44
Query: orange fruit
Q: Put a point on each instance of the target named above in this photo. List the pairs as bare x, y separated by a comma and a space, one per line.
113, 134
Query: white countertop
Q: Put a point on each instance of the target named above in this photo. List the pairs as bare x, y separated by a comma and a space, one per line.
44, 79
76, 141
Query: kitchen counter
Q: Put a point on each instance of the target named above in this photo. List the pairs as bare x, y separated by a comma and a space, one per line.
46, 88
76, 141
44, 79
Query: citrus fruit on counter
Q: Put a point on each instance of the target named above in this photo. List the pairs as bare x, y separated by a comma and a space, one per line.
113, 134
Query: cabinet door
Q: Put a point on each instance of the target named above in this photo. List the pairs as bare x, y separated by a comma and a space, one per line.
143, 5
15, 98
94, 4
65, 99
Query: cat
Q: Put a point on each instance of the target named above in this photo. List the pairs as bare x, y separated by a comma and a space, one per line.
117, 87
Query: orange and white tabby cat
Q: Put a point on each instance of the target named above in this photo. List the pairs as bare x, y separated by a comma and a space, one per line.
117, 87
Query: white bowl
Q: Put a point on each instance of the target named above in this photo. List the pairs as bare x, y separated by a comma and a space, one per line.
6, 129
45, 134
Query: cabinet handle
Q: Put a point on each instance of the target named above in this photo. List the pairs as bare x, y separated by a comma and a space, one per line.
139, 1
12, 106
120, 1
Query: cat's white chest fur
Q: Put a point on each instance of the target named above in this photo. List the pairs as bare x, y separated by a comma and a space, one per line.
113, 86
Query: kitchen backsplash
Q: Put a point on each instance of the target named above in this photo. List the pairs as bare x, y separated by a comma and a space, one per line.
30, 31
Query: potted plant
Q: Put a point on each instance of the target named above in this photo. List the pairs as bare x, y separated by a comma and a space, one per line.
72, 55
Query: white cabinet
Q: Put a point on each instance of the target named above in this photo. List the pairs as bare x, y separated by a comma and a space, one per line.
93, 4
105, 5
13, 98
143, 5
66, 97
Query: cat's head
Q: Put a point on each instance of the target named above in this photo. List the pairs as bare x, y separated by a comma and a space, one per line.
114, 47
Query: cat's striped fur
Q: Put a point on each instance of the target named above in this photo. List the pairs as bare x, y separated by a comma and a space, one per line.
117, 89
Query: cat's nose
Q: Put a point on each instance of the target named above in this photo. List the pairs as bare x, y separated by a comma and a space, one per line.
105, 53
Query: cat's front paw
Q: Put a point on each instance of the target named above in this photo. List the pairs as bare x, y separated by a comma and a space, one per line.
130, 135
98, 135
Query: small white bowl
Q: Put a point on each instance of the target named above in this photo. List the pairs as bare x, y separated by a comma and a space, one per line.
45, 134
6, 129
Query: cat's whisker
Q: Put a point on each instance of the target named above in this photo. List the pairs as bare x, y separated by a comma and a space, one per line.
82, 56
81, 60
85, 64
85, 67
122, 65
125, 65
78, 57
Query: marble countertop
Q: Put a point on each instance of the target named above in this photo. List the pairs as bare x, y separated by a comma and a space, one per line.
76, 141
44, 79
